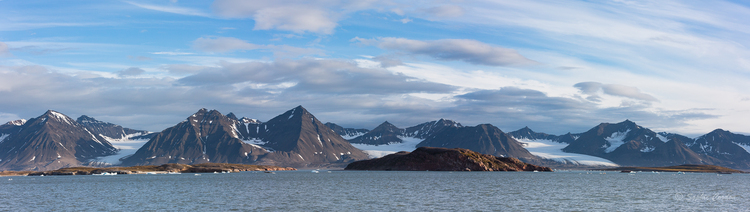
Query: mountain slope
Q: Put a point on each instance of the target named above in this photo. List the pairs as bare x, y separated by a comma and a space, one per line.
550, 147
299, 139
50, 141
724, 145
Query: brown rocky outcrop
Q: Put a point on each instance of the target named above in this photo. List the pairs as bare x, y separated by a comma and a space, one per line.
443, 159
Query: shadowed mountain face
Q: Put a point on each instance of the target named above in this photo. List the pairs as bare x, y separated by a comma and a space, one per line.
483, 138
299, 139
723, 145
527, 133
626, 143
206, 136
385, 133
111, 130
427, 129
346, 133
50, 141
295, 138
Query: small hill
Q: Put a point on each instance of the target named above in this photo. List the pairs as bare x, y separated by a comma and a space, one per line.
443, 159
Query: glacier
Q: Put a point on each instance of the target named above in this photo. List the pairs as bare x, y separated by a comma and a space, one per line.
553, 150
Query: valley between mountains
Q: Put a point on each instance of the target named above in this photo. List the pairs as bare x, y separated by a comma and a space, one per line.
296, 138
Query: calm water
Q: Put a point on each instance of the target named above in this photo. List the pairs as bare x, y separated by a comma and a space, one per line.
379, 191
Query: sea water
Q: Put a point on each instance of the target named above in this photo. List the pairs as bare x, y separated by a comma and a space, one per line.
380, 191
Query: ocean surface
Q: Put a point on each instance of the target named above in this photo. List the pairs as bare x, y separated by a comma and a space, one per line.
380, 191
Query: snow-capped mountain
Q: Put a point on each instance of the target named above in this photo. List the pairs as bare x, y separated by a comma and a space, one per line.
346, 133
387, 138
723, 145
206, 136
50, 141
384, 134
628, 144
295, 138
427, 129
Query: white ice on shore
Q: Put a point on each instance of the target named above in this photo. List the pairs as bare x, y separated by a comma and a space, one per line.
126, 147
376, 151
553, 150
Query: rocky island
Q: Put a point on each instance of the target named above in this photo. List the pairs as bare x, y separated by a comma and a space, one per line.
165, 168
443, 159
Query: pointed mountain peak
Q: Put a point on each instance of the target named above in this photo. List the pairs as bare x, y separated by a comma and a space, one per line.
386, 124
54, 115
232, 116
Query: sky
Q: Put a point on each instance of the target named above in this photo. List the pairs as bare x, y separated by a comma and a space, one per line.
554, 66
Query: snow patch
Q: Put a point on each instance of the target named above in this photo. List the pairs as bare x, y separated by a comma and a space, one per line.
32, 159
744, 146
60, 116
352, 135
662, 138
375, 151
553, 150
648, 149
615, 140
3, 137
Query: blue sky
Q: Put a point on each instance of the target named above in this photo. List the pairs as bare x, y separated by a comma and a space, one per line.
555, 66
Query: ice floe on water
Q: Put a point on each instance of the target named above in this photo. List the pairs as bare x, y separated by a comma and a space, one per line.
553, 150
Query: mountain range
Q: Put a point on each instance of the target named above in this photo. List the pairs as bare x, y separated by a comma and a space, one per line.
296, 138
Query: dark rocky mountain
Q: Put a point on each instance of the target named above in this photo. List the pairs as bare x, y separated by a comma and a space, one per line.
298, 139
723, 145
628, 144
483, 138
443, 159
426, 129
295, 138
50, 141
383, 134
386, 133
110, 130
206, 136
346, 133
527, 134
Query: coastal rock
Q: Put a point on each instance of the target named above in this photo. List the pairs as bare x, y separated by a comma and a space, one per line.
443, 159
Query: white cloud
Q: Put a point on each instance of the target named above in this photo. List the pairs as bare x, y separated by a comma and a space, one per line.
470, 51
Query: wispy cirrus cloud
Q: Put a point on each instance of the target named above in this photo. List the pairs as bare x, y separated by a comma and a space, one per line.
229, 44
170, 9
